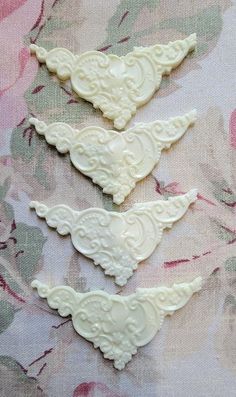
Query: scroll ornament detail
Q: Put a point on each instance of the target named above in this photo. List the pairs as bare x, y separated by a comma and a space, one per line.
118, 325
116, 161
116, 85
117, 241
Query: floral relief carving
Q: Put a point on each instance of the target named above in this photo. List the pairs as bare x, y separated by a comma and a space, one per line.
117, 241
118, 325
116, 85
116, 161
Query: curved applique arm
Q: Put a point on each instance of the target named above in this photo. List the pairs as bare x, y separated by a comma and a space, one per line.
60, 217
166, 132
170, 299
171, 210
152, 218
169, 56
58, 60
65, 299
116, 324
60, 134
174, 208
166, 56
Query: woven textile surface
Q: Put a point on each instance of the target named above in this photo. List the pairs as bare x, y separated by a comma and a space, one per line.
194, 354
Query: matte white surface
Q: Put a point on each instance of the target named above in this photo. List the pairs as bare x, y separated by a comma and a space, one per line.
116, 161
116, 324
116, 85
117, 241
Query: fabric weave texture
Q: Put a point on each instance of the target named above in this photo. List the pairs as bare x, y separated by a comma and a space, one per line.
194, 354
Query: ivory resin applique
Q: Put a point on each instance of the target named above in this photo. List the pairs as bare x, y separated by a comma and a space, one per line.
116, 85
117, 241
118, 325
116, 161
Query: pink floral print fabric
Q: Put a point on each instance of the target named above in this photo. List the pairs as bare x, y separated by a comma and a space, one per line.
194, 353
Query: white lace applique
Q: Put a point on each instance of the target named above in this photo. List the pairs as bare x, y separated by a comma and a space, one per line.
116, 324
116, 85
117, 241
116, 161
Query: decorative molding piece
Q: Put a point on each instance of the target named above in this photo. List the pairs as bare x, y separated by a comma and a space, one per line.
118, 325
117, 241
116, 85
116, 161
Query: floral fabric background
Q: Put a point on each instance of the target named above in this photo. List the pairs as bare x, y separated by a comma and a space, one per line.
194, 354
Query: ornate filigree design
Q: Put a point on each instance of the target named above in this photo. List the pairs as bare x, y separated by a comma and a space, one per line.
116, 161
116, 85
118, 325
117, 241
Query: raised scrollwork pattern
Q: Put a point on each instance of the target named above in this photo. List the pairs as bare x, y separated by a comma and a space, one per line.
117, 241
115, 324
116, 161
116, 85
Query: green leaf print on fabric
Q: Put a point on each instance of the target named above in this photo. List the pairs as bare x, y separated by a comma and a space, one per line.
230, 264
226, 333
56, 101
26, 244
23, 142
224, 194
7, 312
30, 156
20, 252
207, 23
15, 381
51, 26
9, 284
120, 35
108, 202
51, 20
4, 188
230, 300
73, 277
223, 232
28, 247
7, 210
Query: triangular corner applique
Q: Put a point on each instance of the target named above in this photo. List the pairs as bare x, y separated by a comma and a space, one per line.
116, 85
115, 324
117, 241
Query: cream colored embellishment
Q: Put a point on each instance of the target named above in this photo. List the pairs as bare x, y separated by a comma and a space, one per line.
116, 161
117, 241
118, 325
116, 85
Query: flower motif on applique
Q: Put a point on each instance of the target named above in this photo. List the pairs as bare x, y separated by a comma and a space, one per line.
116, 85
